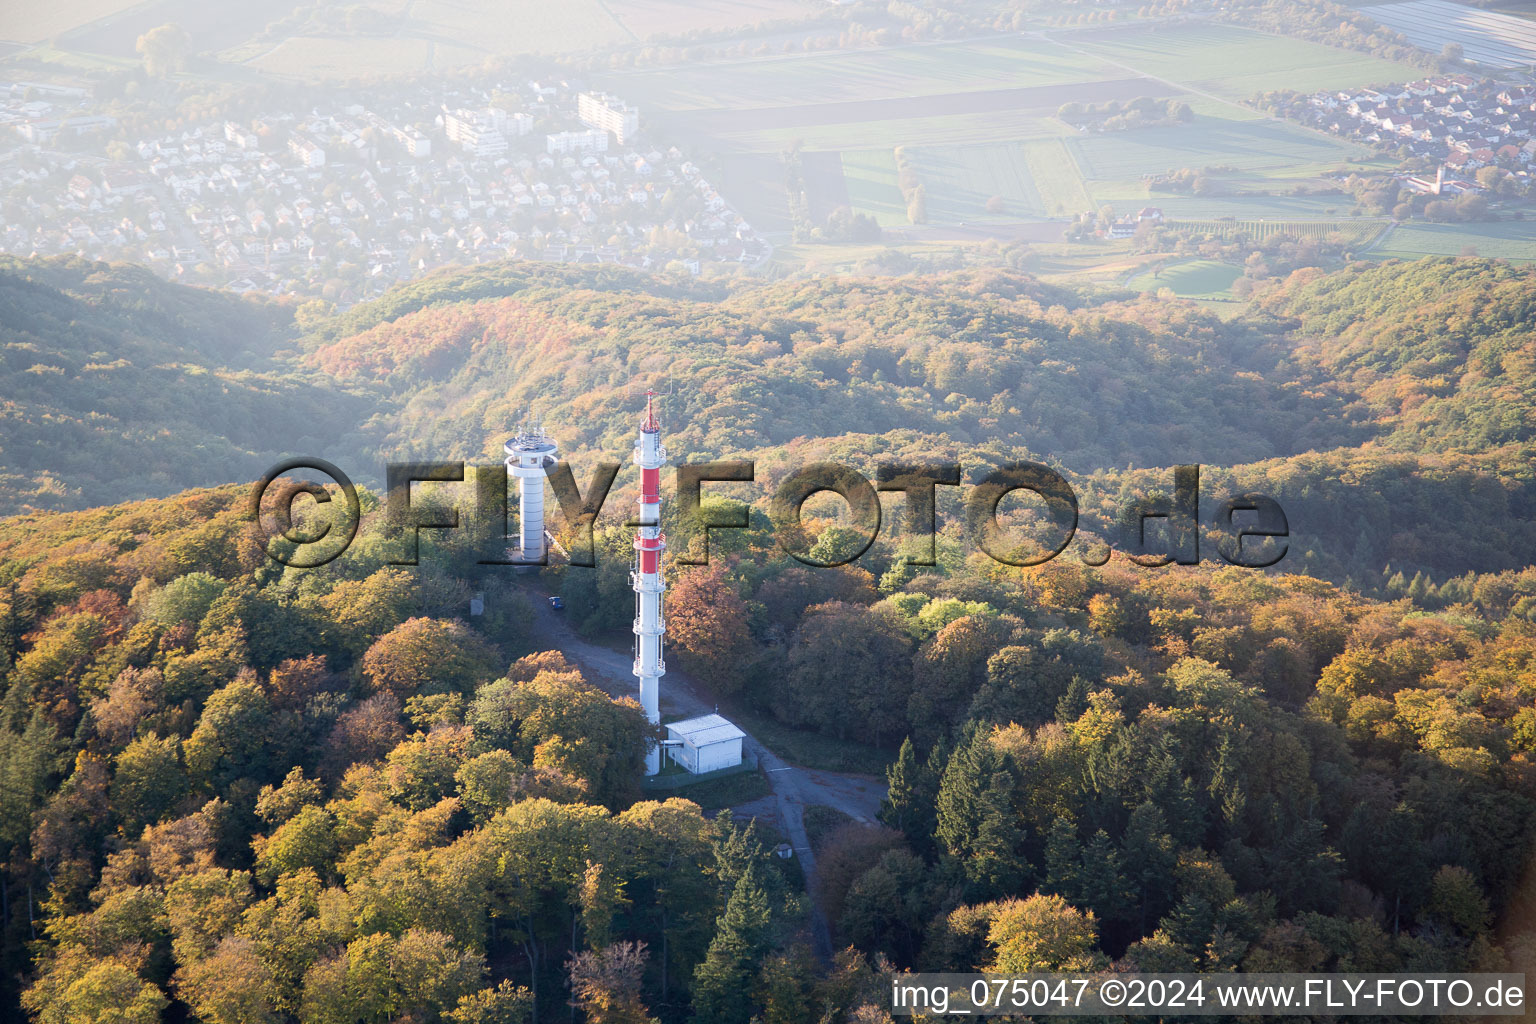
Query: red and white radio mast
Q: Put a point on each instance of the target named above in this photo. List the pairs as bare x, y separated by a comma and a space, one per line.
650, 626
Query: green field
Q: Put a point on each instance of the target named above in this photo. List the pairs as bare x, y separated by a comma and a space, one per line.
1049, 177
870, 175
416, 35
1257, 146
1036, 180
1508, 240
1238, 205
960, 181
316, 58
715, 794
1196, 279
1235, 62
1231, 63
861, 104
756, 182
439, 34
1057, 177
865, 99
36, 22
887, 131
814, 750
518, 26
893, 73
647, 18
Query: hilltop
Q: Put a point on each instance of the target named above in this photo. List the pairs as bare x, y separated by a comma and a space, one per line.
1354, 397
1336, 408
990, 359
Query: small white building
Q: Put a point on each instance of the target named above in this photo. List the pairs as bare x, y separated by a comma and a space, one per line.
704, 744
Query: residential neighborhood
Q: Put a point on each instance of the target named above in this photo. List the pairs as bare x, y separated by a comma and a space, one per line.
1458, 120
341, 202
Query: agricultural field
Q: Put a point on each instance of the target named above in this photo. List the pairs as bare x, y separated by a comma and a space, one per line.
1216, 64
869, 177
1057, 177
1507, 240
1193, 279
1488, 37
882, 127
979, 120
51, 63
1235, 63
1270, 147
894, 73
1351, 233
439, 35
1237, 206
211, 26
1060, 176
1035, 180
645, 19
411, 35
825, 186
30, 22
962, 181
313, 58
756, 182
516, 26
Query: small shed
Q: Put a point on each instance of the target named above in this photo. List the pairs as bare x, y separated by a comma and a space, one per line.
705, 744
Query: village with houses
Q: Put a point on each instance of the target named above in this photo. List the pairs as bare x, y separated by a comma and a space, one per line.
1459, 122
343, 202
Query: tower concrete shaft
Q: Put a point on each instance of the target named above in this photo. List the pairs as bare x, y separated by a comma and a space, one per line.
530, 457
645, 576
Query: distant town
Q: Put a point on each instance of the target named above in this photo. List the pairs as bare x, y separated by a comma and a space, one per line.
342, 203
920, 144
1458, 121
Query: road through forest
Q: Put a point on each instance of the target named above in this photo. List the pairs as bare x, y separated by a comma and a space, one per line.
794, 788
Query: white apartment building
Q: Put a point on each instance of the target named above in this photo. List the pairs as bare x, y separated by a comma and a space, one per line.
476, 131
591, 141
608, 113
307, 150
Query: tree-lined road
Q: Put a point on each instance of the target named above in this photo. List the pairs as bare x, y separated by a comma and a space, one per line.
794, 788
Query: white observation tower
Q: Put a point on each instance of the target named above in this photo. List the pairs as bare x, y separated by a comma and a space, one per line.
530, 455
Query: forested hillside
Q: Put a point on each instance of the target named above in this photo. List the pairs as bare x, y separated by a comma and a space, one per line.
1441, 350
267, 795
247, 793
1387, 407
1187, 770
1385, 412
117, 385
235, 792
990, 359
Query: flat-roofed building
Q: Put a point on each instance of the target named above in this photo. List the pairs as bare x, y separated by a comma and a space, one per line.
592, 141
705, 744
608, 113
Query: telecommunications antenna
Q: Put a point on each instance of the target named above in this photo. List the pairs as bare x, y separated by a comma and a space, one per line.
634, 389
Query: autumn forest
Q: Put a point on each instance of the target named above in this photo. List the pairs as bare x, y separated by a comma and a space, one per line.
236, 792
